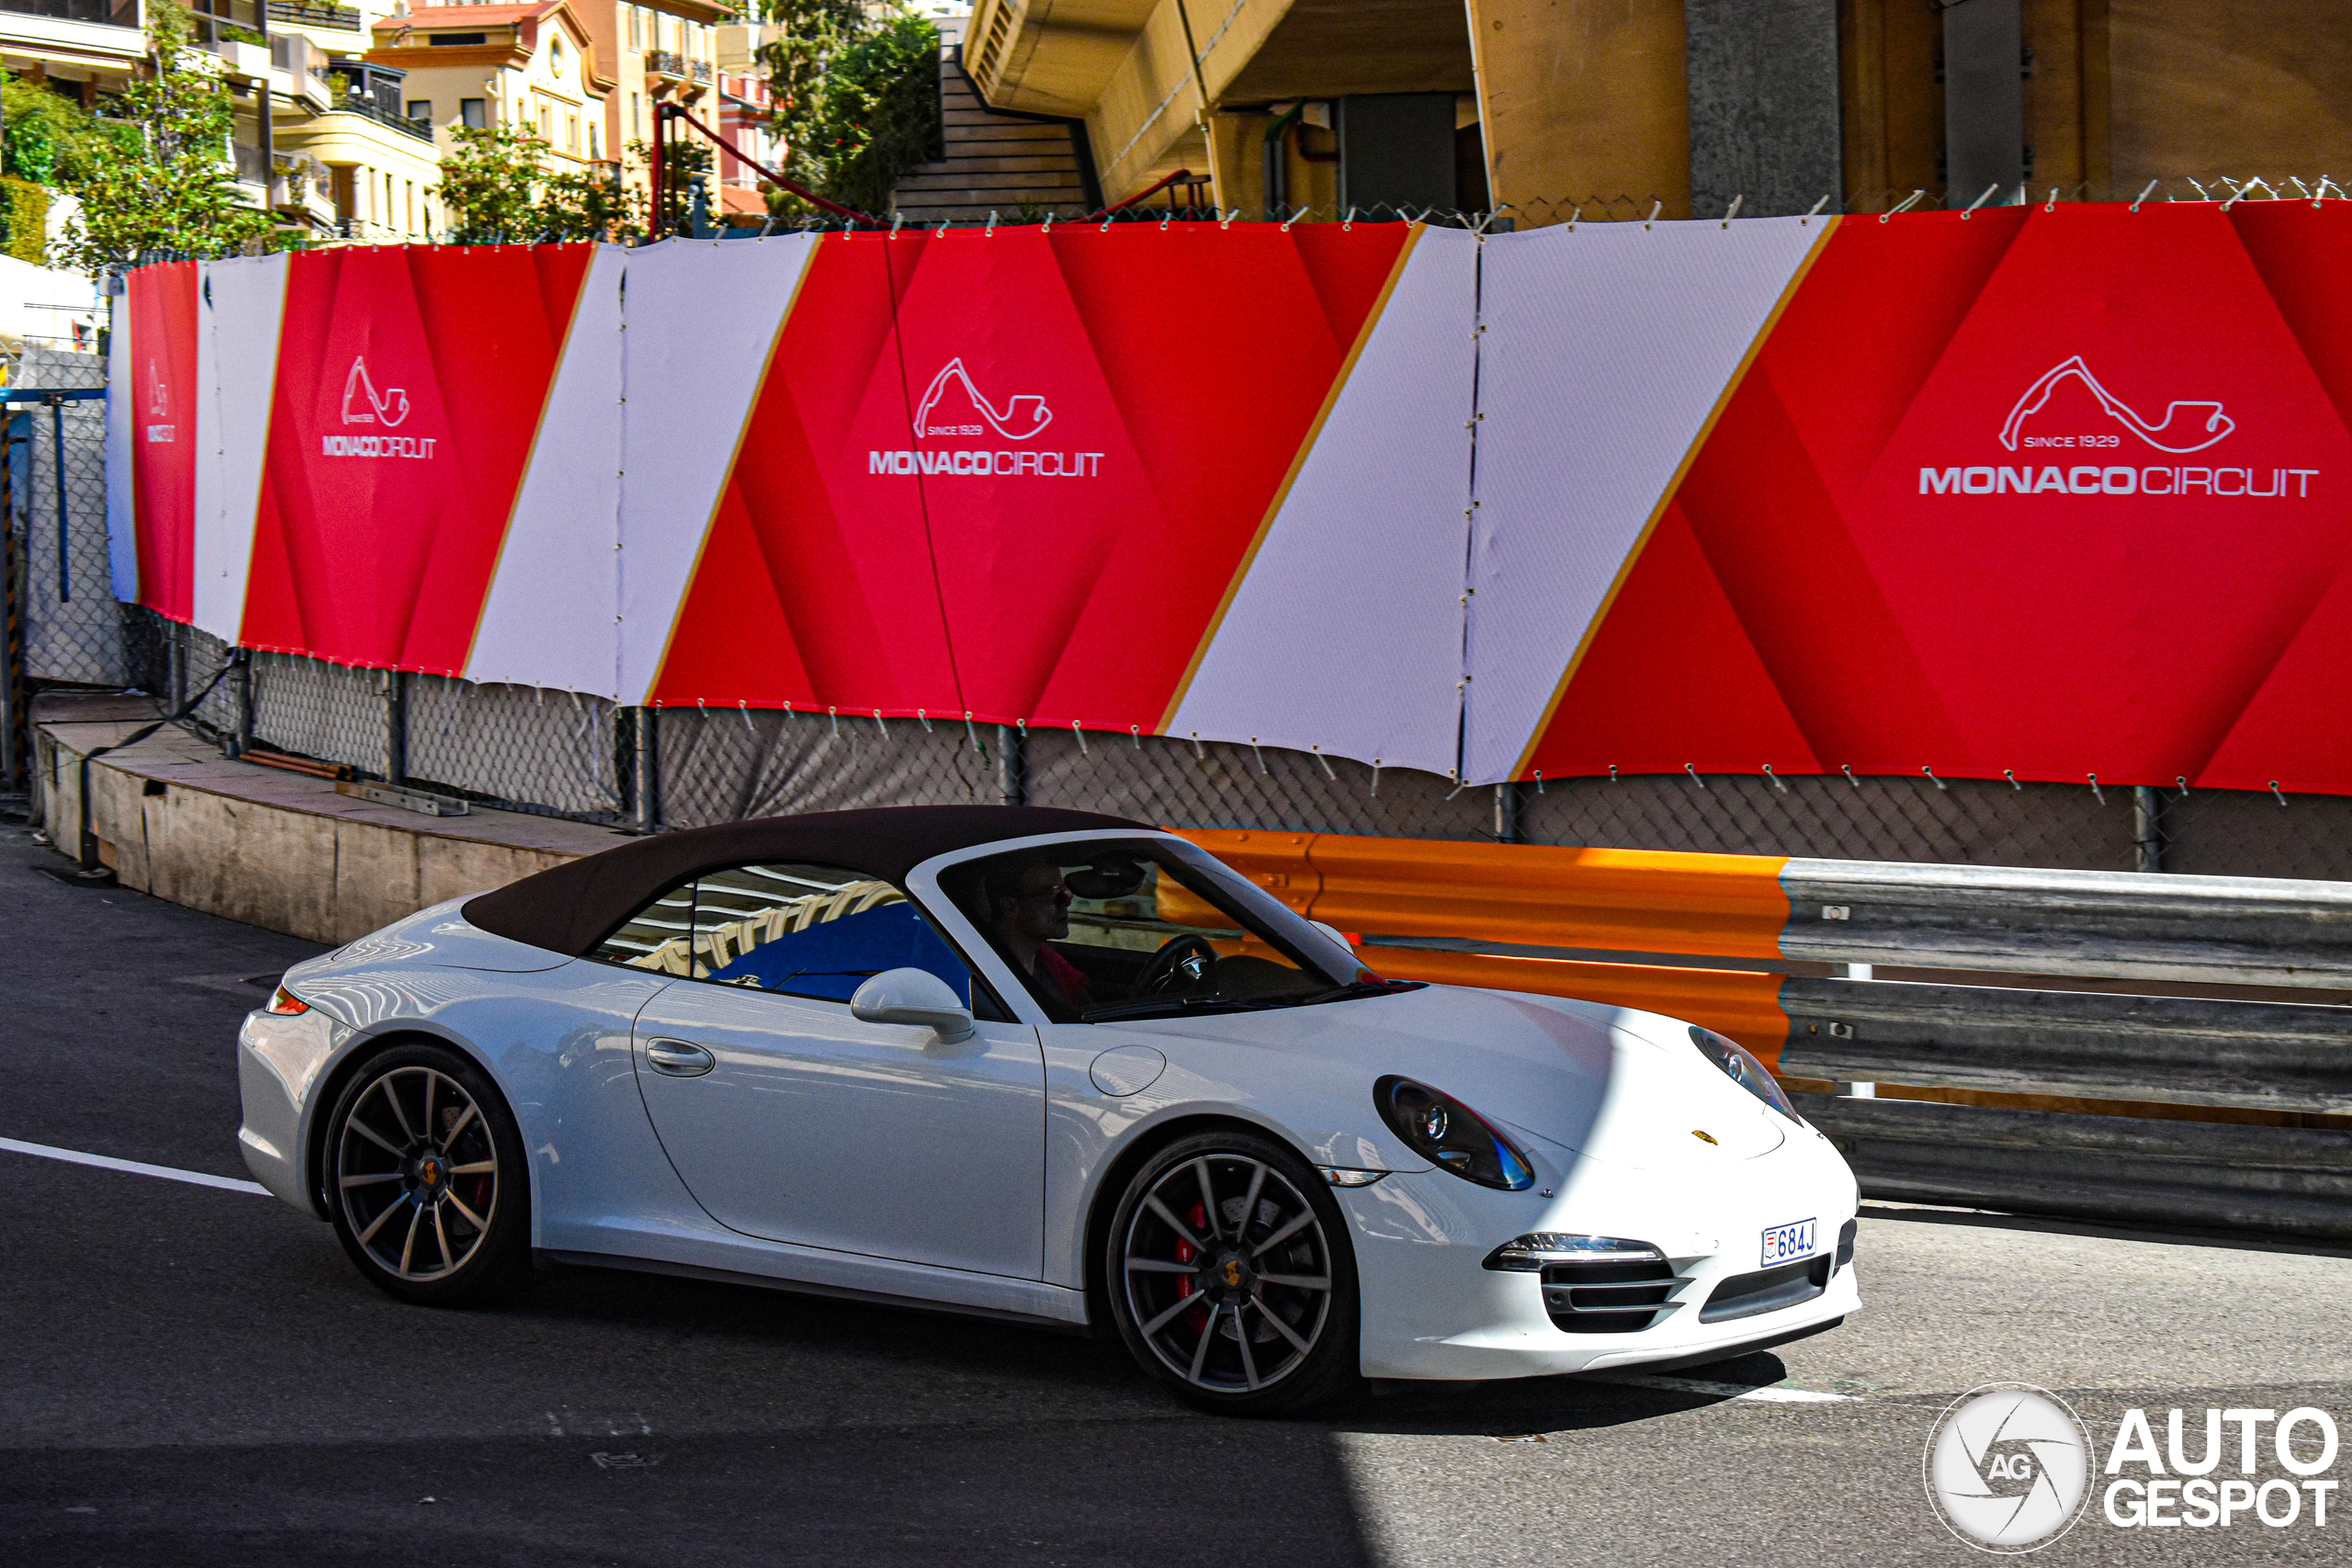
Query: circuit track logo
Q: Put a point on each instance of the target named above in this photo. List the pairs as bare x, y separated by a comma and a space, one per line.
159, 407
2007, 1468
388, 408
1014, 421
2189, 425
363, 404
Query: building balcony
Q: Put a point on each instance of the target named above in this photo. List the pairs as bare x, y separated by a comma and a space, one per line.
701, 69
100, 12
661, 62
301, 14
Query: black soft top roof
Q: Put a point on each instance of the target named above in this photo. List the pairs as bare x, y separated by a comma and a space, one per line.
571, 908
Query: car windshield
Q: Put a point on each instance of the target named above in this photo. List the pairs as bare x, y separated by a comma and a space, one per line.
1143, 928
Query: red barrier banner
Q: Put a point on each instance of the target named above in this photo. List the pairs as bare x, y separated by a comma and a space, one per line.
2041, 493
1014, 475
160, 408
409, 385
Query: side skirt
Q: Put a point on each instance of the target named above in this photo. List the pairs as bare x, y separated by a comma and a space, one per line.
806, 1288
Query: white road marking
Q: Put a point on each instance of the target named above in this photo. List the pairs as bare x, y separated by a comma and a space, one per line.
1767, 1394
107, 1162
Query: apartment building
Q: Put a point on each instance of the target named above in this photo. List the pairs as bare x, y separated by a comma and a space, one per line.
663, 52
745, 103
79, 47
536, 67
376, 173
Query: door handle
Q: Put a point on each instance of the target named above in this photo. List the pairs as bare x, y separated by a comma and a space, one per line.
678, 1059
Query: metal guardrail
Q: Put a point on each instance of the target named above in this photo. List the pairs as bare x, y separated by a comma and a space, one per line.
2128, 925
2095, 1045
2123, 1169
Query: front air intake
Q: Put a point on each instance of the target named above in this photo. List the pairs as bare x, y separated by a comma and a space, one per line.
1607, 1297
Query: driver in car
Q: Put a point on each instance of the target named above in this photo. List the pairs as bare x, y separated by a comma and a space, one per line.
1028, 907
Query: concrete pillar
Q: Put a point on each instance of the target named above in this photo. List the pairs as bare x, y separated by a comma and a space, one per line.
1582, 101
1764, 108
1984, 101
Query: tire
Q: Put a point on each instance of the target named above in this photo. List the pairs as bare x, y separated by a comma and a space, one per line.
1275, 1323
441, 1221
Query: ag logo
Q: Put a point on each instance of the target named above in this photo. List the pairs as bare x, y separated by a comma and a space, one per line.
2007, 1468
362, 405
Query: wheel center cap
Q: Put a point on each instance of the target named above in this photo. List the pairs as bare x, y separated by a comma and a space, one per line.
431, 1173
1228, 1274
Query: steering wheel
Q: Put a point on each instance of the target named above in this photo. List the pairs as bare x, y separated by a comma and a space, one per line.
1180, 963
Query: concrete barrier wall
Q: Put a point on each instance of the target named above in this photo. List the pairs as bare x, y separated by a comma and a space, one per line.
274, 849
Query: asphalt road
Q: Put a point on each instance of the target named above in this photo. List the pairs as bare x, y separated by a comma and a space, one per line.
190, 1375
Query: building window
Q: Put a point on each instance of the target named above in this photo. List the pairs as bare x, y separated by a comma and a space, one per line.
636, 116
635, 36
472, 112
420, 108
572, 133
547, 125
458, 40
595, 140
411, 208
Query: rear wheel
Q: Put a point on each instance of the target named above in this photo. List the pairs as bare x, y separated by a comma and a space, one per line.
1231, 1279
424, 1178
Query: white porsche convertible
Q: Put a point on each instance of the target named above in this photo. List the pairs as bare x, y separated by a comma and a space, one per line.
1044, 1066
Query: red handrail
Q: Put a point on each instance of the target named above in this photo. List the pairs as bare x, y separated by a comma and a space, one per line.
1181, 176
678, 111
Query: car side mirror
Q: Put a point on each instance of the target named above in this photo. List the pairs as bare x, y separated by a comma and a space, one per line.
914, 997
1338, 939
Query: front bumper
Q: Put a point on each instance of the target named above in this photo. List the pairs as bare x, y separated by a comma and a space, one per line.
1431, 1310
278, 1062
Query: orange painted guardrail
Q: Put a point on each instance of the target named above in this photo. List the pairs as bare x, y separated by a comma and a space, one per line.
1542, 896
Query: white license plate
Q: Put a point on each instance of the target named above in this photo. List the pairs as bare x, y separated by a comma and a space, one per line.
1786, 1244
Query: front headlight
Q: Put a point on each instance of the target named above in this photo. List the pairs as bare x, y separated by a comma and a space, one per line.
1743, 1069
1528, 1253
1450, 1135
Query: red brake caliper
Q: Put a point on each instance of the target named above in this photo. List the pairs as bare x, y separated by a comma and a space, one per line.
1198, 1219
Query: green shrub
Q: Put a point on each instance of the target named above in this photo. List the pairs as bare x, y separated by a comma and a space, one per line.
24, 218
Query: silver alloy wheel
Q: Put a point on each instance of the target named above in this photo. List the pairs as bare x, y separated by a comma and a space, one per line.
1227, 1273
417, 1174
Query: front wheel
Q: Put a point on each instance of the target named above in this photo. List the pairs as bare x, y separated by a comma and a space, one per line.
1231, 1279
424, 1179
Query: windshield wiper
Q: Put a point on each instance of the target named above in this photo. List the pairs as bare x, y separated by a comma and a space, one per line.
1361, 988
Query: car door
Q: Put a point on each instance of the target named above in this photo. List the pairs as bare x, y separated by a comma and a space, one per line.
792, 1121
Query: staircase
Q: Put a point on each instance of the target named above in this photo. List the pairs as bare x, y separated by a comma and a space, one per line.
1011, 165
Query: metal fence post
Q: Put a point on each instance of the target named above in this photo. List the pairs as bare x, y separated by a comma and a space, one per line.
2147, 828
1012, 765
242, 695
1505, 813
395, 727
649, 770
12, 647
174, 667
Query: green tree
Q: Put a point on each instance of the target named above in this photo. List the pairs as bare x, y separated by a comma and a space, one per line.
164, 183
810, 33
495, 188
490, 184
881, 114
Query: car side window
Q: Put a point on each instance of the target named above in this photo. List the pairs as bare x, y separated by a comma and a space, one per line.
796, 929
